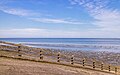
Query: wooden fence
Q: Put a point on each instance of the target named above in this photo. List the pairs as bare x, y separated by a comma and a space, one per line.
48, 55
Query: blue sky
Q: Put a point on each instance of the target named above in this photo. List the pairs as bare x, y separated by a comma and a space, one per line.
59, 18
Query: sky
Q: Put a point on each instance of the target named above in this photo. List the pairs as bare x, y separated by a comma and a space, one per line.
59, 18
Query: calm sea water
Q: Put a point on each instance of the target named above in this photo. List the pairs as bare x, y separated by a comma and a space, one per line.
90, 44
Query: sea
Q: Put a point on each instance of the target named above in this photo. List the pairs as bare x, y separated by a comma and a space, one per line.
72, 44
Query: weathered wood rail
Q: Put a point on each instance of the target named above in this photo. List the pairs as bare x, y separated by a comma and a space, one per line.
47, 55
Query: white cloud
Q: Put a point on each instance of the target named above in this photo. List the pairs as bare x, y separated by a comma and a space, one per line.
26, 32
93, 6
51, 20
35, 32
25, 13
106, 20
48, 33
18, 12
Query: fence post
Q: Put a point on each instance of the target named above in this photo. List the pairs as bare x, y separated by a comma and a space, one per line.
41, 56
115, 69
93, 63
58, 57
101, 66
19, 49
72, 58
109, 68
83, 61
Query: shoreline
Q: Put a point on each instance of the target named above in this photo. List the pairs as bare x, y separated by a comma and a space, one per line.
77, 47
103, 56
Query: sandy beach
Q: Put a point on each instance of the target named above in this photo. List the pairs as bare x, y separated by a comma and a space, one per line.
21, 67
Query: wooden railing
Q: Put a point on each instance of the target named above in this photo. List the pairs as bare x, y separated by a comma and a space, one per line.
54, 56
